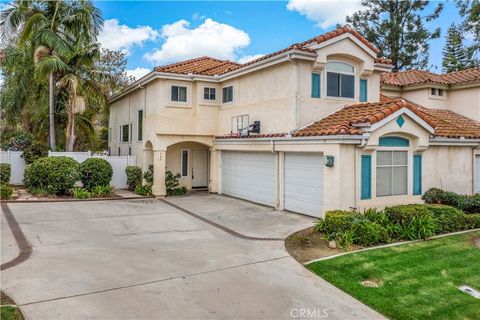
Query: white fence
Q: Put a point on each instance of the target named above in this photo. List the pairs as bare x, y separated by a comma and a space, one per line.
17, 163
118, 163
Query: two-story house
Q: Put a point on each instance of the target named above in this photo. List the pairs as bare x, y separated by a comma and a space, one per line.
304, 129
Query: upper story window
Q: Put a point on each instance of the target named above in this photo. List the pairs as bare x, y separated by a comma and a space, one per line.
140, 125
209, 93
340, 80
227, 94
179, 94
437, 92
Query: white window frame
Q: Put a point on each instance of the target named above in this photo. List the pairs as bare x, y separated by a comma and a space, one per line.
392, 149
233, 94
129, 133
138, 118
355, 79
209, 88
243, 117
178, 93
188, 162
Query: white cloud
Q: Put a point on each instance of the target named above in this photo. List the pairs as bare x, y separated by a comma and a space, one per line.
138, 72
325, 13
211, 38
250, 57
115, 36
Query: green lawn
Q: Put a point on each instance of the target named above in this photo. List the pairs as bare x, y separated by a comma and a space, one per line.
9, 313
420, 280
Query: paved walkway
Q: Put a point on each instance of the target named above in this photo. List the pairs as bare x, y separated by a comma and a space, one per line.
145, 259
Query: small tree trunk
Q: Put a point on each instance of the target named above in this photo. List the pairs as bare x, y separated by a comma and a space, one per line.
51, 111
70, 130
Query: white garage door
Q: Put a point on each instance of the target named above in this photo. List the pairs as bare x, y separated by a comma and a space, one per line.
477, 173
304, 183
249, 175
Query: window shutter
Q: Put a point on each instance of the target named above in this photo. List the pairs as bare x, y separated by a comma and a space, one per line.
366, 177
315, 85
363, 90
417, 174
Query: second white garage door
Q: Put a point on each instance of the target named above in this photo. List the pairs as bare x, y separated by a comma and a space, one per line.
249, 175
303, 187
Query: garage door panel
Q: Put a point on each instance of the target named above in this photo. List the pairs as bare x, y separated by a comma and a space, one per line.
249, 175
303, 183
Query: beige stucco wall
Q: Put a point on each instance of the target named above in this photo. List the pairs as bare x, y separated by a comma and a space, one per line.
464, 101
173, 160
449, 168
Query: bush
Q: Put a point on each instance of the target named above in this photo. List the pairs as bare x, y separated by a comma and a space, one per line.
450, 219
16, 140
101, 191
38, 192
413, 221
148, 175
172, 184
471, 204
145, 190
134, 177
95, 172
80, 193
369, 233
5, 172
467, 203
6, 191
57, 175
336, 222
34, 152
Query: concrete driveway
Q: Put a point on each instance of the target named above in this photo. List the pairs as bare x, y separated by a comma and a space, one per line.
199, 257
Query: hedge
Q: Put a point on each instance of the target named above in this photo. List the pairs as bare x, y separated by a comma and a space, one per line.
56, 175
5, 173
95, 172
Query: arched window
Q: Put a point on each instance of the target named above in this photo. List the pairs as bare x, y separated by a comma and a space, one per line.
340, 80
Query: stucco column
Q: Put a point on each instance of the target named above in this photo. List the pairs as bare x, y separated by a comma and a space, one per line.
158, 188
213, 183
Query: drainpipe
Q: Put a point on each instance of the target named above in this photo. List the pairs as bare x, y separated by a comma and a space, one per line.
355, 188
295, 90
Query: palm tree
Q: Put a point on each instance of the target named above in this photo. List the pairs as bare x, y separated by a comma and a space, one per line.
50, 26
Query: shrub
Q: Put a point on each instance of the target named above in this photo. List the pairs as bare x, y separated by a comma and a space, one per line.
467, 203
145, 190
101, 191
55, 174
80, 193
6, 191
471, 204
34, 151
369, 233
413, 221
95, 172
39, 192
172, 184
16, 140
338, 221
381, 218
148, 175
5, 172
345, 239
134, 177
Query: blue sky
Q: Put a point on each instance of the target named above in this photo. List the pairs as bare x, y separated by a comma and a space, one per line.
159, 32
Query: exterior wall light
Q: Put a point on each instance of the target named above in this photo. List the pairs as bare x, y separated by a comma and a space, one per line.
329, 161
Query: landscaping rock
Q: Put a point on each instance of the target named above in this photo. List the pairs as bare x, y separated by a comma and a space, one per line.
332, 244
372, 283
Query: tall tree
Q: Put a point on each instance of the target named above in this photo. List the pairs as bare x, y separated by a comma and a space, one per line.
470, 11
398, 29
456, 56
49, 26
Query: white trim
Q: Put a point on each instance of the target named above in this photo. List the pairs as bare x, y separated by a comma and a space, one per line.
408, 112
188, 163
336, 98
209, 100
178, 93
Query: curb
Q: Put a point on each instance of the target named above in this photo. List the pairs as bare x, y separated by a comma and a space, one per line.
390, 245
77, 200
24, 248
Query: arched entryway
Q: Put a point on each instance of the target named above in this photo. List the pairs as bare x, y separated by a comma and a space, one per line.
192, 161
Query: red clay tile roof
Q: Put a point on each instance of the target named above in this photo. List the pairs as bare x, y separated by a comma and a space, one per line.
261, 135
446, 123
203, 66
211, 66
413, 77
